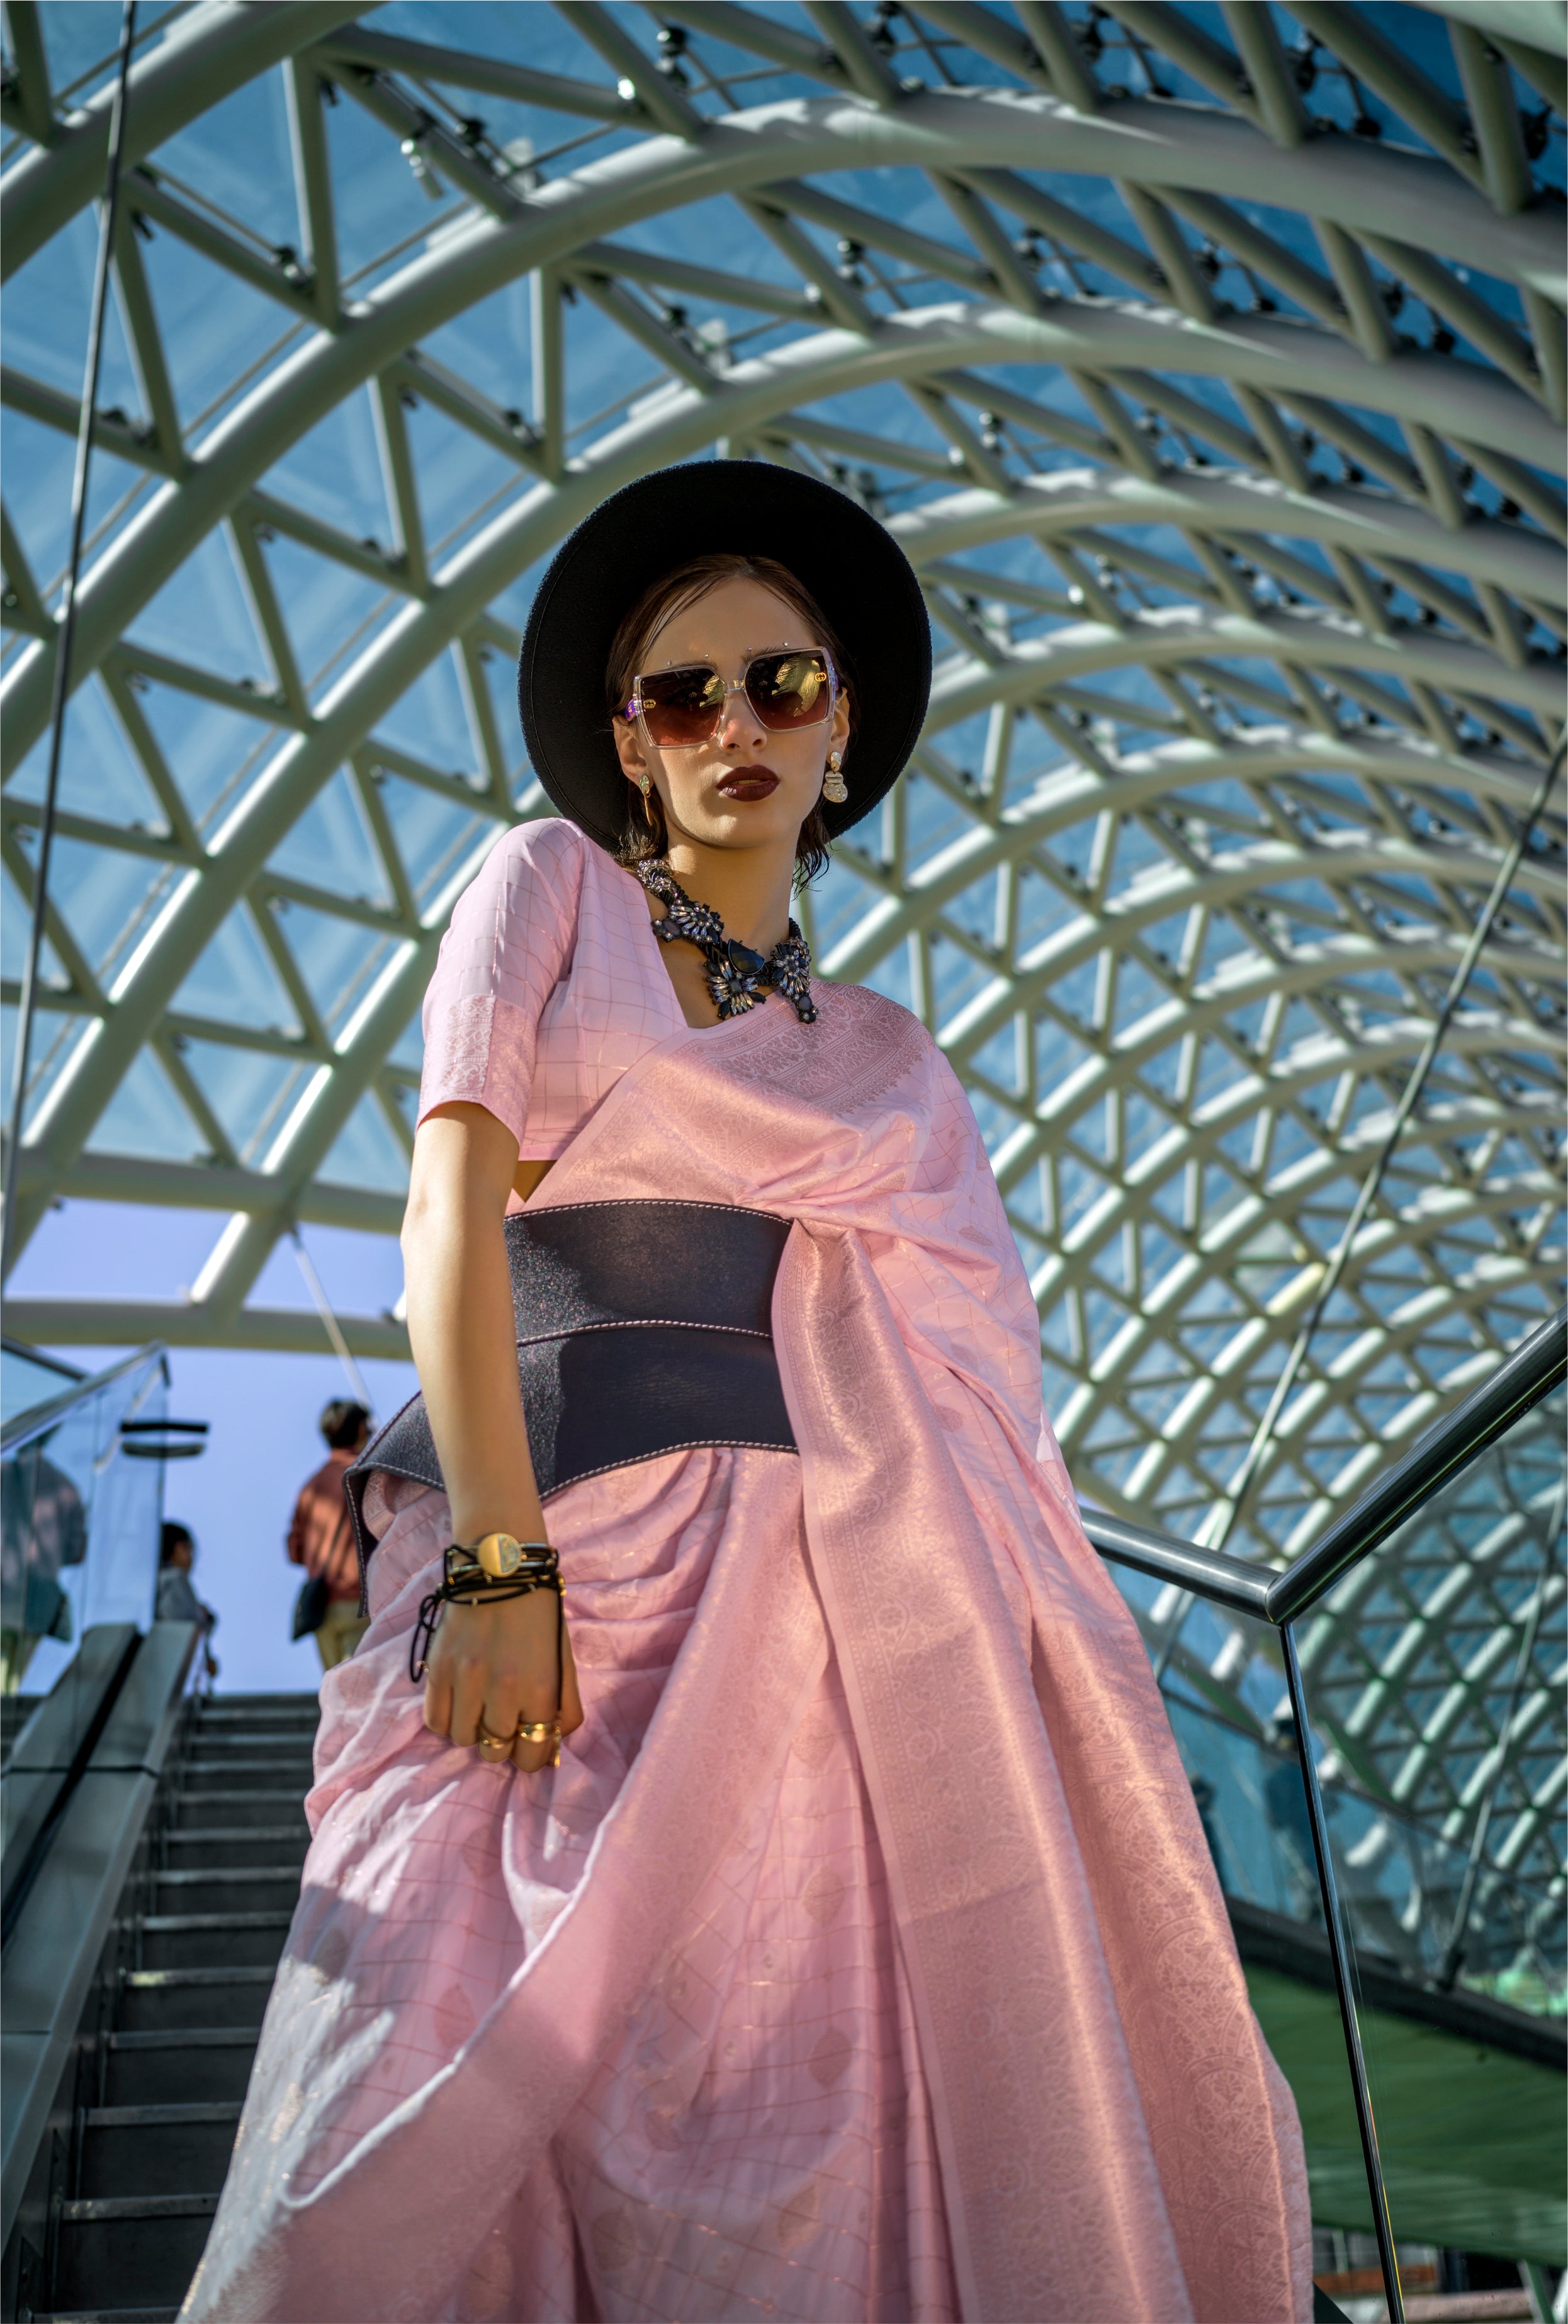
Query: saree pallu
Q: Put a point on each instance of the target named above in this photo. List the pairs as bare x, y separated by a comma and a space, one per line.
864, 1958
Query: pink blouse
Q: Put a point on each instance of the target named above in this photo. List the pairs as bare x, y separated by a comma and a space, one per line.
549, 985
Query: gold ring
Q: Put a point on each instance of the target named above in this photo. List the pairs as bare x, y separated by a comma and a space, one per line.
538, 1731
493, 1748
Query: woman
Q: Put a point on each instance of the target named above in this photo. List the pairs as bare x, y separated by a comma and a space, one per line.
861, 1957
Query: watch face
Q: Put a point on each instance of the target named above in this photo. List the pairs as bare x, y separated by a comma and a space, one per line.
499, 1554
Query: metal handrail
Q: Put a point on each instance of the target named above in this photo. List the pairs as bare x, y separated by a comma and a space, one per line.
38, 1418
1537, 1366
1531, 1373
1228, 1580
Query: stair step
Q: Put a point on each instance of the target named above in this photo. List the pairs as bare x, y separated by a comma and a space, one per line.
210, 1810
205, 1844
94, 2211
306, 1712
279, 1699
166, 1925
254, 1887
135, 2252
210, 1875
145, 2152
232, 1776
162, 2118
164, 1999
198, 1940
144, 2044
106, 2316
195, 2065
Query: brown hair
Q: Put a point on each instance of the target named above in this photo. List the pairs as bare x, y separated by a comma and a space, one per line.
646, 834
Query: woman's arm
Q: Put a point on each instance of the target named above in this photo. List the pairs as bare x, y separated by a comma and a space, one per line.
495, 1663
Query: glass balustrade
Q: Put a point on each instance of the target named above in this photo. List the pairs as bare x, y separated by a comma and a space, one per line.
81, 1493
1402, 1885
1433, 1671
1413, 1987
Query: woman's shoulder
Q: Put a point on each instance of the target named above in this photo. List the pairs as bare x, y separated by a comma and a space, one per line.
545, 843
531, 877
860, 1008
877, 1026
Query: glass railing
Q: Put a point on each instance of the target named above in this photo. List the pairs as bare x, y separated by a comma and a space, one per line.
28, 1379
1437, 1659
1385, 1838
81, 1496
1402, 1885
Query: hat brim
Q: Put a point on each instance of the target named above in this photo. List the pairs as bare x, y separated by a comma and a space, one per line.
850, 564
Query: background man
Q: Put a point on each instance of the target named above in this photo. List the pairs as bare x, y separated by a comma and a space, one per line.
321, 1538
176, 1597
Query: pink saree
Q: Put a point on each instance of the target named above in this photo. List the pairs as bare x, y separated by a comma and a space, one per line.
863, 1960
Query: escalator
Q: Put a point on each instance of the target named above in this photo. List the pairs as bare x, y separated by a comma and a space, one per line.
164, 2051
140, 2134
151, 1846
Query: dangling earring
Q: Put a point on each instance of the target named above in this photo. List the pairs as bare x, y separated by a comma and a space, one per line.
834, 789
643, 785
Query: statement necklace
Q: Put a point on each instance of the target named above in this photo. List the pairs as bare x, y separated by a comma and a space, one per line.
738, 978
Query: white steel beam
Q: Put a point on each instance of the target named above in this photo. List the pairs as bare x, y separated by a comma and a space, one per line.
202, 57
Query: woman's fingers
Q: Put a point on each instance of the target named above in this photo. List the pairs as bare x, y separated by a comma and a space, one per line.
469, 1677
541, 1691
437, 1702
495, 1665
550, 1691
571, 1701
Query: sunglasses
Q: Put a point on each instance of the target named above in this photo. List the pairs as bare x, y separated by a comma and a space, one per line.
680, 709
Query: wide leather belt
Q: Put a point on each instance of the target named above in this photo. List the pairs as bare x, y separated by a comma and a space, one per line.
643, 1328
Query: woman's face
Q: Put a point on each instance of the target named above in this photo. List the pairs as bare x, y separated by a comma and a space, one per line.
748, 785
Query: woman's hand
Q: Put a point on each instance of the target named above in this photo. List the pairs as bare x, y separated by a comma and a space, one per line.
497, 1663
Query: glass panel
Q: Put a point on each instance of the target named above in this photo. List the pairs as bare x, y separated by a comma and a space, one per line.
1225, 1689
1433, 1676
27, 1379
81, 1509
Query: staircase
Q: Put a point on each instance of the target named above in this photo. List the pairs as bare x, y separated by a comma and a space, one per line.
167, 2042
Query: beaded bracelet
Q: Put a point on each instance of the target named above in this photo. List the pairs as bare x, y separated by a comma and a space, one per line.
466, 1584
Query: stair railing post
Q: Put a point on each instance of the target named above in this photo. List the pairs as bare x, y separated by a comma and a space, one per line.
1339, 1953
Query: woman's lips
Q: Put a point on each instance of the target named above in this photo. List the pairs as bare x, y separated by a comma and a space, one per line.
749, 783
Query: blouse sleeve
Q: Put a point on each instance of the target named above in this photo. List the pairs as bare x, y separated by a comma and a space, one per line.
510, 945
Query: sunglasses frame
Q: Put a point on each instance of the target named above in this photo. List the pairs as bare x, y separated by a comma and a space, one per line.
633, 712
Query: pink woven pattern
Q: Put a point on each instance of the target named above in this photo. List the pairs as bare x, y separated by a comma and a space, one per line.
864, 1958
549, 985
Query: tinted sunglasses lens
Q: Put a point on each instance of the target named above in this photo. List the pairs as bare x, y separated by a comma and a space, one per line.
682, 706
789, 689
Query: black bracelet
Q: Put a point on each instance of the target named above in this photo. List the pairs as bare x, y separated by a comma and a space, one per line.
460, 1565
468, 1584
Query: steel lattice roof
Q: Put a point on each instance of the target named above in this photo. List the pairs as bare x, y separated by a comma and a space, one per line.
1207, 360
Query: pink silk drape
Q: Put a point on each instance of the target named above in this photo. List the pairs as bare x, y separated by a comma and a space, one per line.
1112, 2142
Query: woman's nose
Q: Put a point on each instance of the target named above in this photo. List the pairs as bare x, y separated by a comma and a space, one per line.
739, 729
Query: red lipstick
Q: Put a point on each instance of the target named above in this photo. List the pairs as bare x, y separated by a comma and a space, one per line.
749, 783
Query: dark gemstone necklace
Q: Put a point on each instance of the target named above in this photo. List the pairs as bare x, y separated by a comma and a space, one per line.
738, 978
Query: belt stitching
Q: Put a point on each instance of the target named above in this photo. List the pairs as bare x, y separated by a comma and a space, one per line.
645, 1323
686, 1445
649, 1201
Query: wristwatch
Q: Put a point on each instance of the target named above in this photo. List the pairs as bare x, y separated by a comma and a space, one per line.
497, 1554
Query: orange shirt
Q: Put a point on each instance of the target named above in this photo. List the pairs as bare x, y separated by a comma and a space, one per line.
321, 1538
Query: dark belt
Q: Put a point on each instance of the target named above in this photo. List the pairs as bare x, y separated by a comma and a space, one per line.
642, 1327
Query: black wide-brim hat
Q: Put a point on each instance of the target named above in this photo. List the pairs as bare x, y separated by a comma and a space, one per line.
852, 566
